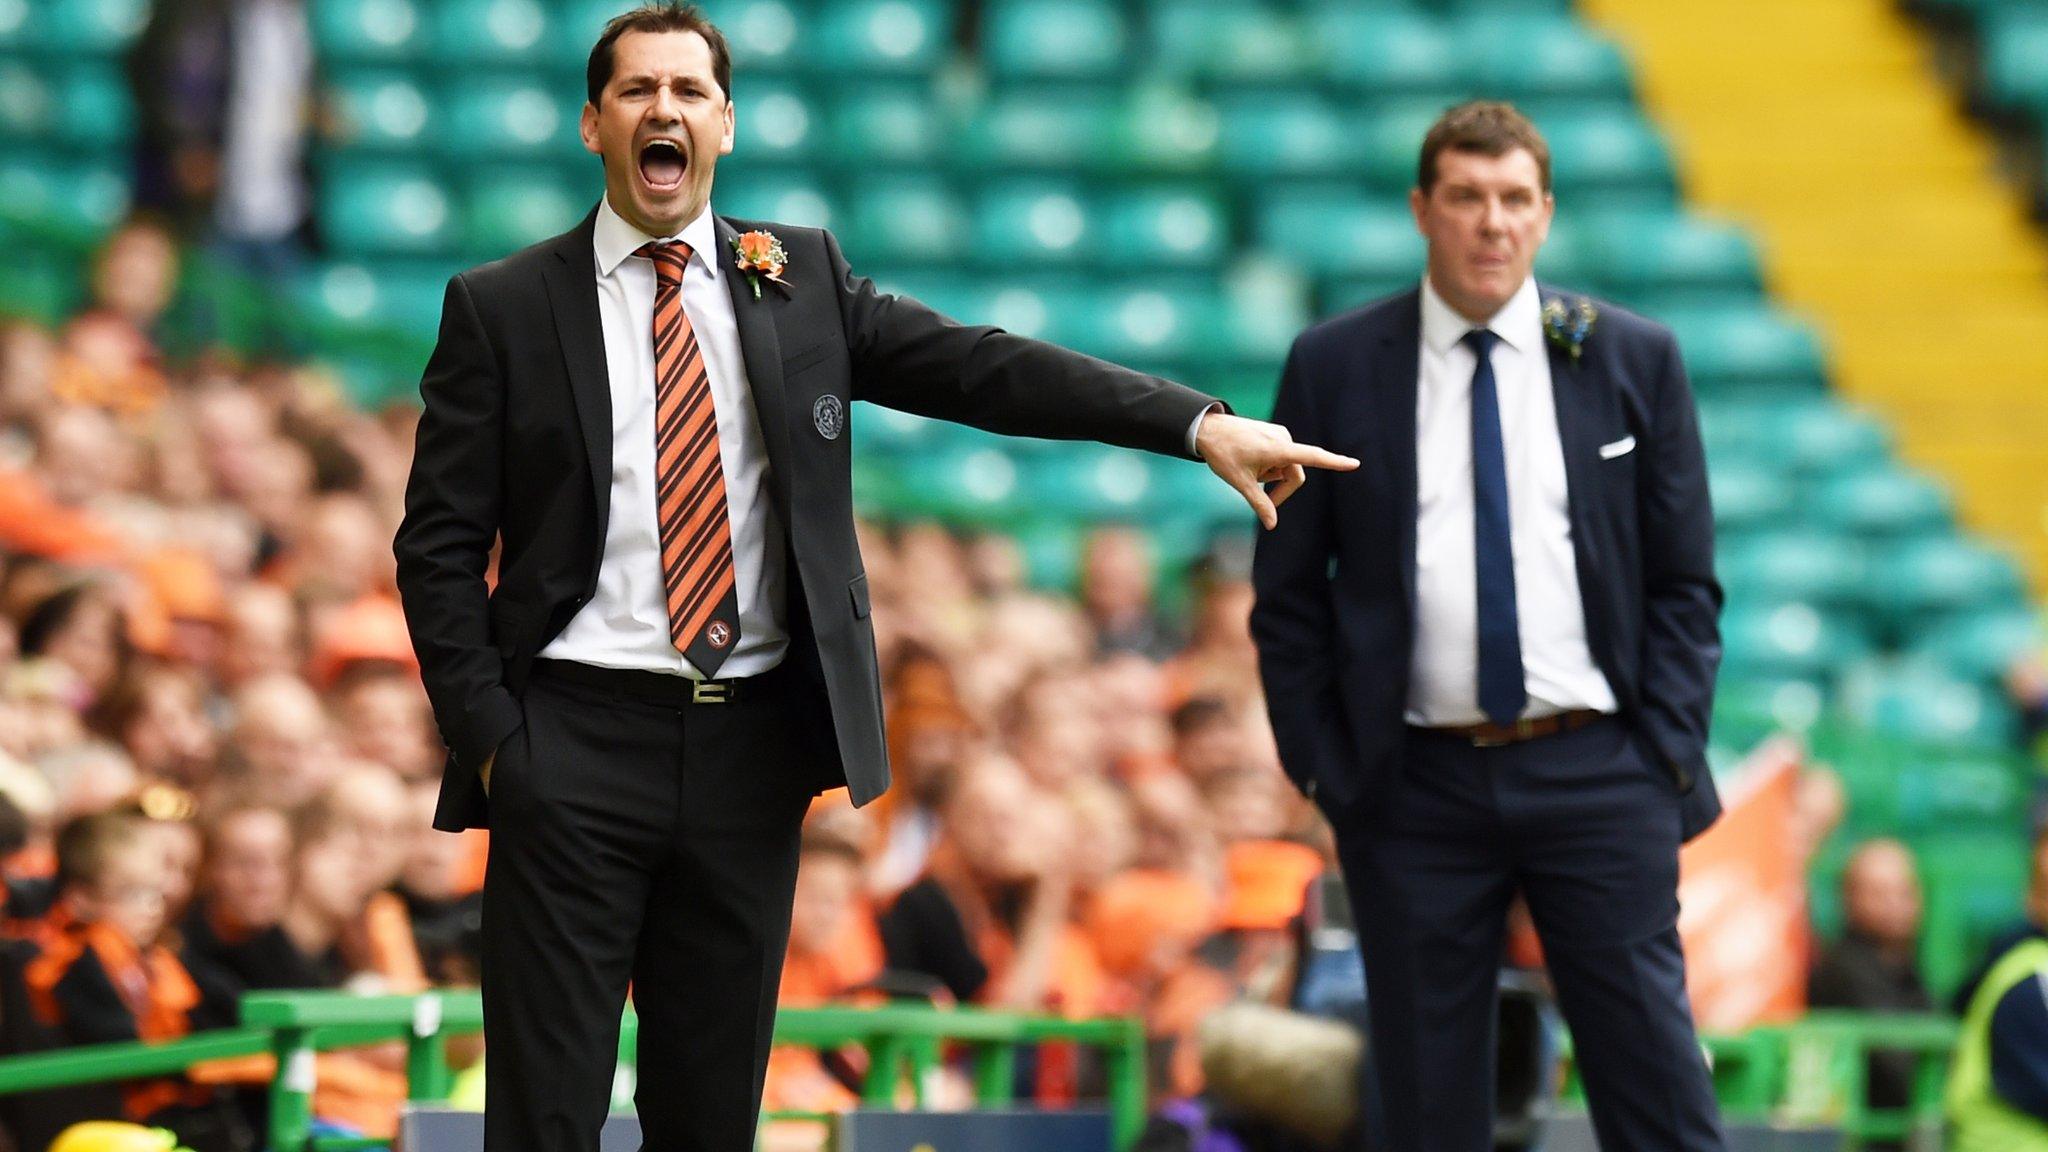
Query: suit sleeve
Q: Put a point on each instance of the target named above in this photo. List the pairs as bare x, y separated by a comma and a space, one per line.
452, 501
1293, 620
1681, 597
909, 357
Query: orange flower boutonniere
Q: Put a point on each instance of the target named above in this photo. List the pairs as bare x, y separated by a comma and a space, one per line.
760, 256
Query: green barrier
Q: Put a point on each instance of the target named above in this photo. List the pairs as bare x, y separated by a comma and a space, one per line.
296, 1026
1827, 1062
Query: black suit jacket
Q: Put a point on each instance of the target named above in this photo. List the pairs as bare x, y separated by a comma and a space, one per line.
1334, 618
515, 443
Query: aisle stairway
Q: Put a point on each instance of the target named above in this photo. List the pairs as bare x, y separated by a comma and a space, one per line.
1820, 124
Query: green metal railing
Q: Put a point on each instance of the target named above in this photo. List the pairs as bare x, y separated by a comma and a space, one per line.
295, 1026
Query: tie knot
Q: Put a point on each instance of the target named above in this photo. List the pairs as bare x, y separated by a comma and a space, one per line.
670, 258
1480, 340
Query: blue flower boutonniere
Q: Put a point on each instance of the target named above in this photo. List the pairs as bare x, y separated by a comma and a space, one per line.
1568, 324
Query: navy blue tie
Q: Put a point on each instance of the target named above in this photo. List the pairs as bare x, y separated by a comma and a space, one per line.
1501, 690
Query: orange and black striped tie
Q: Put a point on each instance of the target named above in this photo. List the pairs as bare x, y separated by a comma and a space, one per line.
689, 484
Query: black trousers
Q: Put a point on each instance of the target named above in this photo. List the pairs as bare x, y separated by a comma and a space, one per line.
1586, 827
638, 837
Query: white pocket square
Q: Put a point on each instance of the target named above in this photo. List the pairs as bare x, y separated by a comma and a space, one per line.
1621, 447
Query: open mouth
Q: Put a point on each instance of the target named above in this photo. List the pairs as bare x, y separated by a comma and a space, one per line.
662, 164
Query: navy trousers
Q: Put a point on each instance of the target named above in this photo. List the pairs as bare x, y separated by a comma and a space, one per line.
1586, 828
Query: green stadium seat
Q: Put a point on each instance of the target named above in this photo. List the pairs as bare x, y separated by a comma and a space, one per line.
1920, 792
1266, 304
1162, 227
1533, 55
14, 26
508, 210
1885, 502
501, 33
1163, 131
1332, 232
779, 197
28, 100
1052, 554
96, 109
577, 24
1830, 438
775, 123
882, 37
1982, 645
1499, 7
908, 219
764, 35
1055, 40
893, 126
1923, 704
41, 284
64, 28
1601, 156
1749, 707
1749, 495
1041, 129
1382, 51
379, 111
1085, 482
1974, 881
1336, 294
370, 31
945, 291
1273, 136
1390, 141
508, 118
401, 298
979, 485
1791, 564
1636, 254
67, 200
1790, 638
1160, 323
1032, 223
1229, 43
1754, 350
1913, 581
2014, 59
387, 208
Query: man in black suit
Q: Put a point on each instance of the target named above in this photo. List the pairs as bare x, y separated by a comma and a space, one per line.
652, 417
1489, 655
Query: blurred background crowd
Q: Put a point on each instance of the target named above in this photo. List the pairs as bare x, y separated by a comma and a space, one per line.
212, 733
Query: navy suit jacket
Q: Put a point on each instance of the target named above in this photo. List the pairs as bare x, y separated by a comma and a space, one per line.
1334, 619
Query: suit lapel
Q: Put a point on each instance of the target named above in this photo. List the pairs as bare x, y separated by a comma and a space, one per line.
1576, 397
572, 293
762, 351
1396, 368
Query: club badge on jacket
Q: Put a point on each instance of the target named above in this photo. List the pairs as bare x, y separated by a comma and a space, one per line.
829, 416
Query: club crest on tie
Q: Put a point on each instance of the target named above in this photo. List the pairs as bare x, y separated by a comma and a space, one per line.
719, 635
829, 414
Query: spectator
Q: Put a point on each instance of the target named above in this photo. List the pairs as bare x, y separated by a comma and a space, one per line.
1116, 593
231, 932
158, 714
1874, 966
280, 747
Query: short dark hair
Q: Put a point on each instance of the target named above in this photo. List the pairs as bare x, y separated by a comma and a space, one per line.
87, 844
660, 16
1488, 127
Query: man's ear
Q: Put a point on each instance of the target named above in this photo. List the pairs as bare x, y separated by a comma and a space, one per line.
586, 127
725, 142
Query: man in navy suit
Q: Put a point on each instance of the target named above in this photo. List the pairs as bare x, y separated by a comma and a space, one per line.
1489, 653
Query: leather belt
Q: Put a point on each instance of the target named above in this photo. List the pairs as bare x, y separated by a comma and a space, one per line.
661, 687
1491, 735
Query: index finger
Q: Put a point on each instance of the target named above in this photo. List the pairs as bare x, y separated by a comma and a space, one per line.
1315, 457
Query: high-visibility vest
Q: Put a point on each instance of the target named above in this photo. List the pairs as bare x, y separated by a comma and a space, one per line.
1979, 1120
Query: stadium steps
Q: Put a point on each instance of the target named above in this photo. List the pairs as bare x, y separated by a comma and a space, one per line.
1822, 125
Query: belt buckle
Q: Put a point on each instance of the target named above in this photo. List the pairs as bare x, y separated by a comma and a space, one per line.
1522, 729
710, 692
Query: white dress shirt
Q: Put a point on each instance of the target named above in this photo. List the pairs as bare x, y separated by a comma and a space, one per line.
626, 624
1558, 668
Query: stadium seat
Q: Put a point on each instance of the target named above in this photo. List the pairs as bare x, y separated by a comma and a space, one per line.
379, 111
1888, 501
1746, 351
1829, 438
1982, 645
884, 126
28, 100
1031, 223
1791, 564
1647, 253
96, 109
1274, 136
507, 118
1055, 40
1523, 56
74, 201
374, 295
882, 37
1340, 233
15, 26
2015, 59
1386, 51
1748, 495
508, 210
1214, 41
1084, 482
1601, 156
64, 28
765, 36
1790, 638
390, 208
775, 123
370, 31
1912, 581
42, 284
1040, 129
789, 197
905, 219
1973, 881
491, 33
1916, 702
1162, 227
1160, 323
1390, 140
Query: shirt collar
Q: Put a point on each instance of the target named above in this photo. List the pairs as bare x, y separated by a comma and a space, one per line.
1519, 323
614, 239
